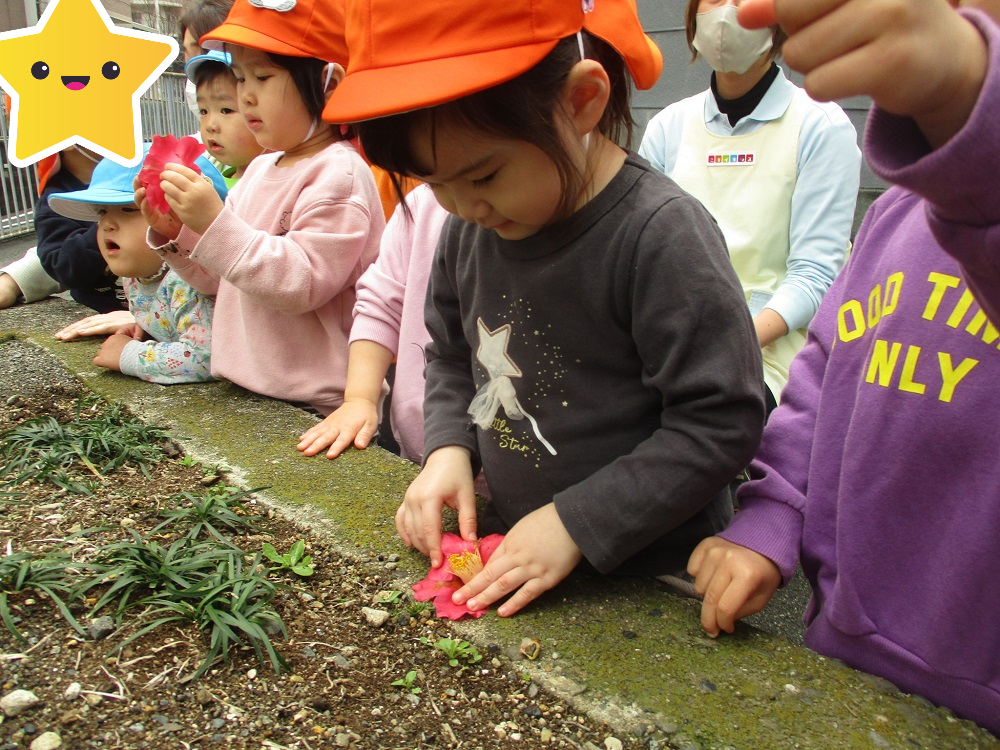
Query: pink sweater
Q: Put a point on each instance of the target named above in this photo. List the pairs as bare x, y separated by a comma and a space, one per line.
282, 259
390, 310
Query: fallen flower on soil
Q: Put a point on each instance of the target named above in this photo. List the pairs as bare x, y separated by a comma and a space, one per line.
463, 560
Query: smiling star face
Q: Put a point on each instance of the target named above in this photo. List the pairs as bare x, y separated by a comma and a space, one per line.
76, 78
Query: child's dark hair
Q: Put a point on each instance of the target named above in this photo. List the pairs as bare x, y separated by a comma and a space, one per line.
209, 71
202, 16
307, 75
520, 109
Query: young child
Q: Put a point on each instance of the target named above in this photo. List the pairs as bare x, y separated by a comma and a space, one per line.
388, 325
67, 256
581, 307
878, 472
285, 250
199, 18
169, 342
223, 130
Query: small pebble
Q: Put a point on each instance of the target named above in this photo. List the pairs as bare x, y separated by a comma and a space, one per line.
18, 701
375, 617
47, 741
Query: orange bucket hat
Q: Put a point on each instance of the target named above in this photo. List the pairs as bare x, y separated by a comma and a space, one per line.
299, 28
411, 55
617, 23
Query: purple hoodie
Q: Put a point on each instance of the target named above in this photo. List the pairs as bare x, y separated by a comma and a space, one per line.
880, 471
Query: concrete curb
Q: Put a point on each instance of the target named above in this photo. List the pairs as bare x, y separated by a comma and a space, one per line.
625, 650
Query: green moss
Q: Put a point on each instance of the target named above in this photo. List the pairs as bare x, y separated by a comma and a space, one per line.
636, 649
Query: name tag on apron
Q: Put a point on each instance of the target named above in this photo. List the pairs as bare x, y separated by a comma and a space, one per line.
739, 159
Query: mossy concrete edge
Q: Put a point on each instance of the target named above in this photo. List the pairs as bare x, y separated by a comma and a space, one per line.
625, 650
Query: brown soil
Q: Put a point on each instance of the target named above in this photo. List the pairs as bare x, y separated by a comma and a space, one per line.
337, 692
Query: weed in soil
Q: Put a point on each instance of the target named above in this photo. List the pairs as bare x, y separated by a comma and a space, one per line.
195, 629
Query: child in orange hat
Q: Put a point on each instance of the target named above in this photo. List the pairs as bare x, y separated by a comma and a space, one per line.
590, 346
283, 253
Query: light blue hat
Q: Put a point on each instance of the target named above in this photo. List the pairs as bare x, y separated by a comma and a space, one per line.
213, 56
111, 185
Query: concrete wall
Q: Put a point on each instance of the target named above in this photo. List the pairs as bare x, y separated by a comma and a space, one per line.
664, 22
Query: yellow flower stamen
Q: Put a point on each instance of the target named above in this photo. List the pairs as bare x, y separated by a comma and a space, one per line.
466, 565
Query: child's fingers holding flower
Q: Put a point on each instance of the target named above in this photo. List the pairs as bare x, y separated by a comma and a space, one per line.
535, 555
166, 224
446, 479
191, 197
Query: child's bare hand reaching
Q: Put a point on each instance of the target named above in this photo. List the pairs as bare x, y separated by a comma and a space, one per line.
446, 479
535, 555
355, 421
96, 325
735, 582
916, 58
191, 196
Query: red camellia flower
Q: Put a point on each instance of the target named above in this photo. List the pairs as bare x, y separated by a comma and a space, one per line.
462, 561
167, 149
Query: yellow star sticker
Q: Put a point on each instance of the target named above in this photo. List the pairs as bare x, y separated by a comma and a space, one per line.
75, 78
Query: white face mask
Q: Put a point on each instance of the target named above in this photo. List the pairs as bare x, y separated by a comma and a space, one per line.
191, 98
727, 46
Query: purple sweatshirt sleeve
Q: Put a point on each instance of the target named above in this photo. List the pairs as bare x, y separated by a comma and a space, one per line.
958, 179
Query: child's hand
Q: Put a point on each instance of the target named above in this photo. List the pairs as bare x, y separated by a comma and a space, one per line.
166, 224
9, 291
916, 58
356, 420
446, 479
134, 331
110, 353
191, 196
535, 555
96, 325
735, 582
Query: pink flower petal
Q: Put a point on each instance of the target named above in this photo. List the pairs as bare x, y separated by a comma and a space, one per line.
453, 544
488, 545
441, 582
448, 610
428, 589
166, 149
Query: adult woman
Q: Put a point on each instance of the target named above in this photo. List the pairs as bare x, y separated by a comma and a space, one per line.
777, 170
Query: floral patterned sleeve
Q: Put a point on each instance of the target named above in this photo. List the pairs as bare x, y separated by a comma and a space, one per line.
179, 320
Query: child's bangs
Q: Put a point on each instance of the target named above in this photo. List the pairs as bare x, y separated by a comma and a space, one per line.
501, 112
386, 142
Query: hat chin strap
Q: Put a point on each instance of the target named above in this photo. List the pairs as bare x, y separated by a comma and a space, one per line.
82, 151
326, 85
312, 129
583, 56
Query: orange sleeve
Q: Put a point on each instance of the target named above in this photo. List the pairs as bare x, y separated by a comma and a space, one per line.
387, 191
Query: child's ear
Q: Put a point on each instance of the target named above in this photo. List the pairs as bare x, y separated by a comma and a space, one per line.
586, 95
333, 74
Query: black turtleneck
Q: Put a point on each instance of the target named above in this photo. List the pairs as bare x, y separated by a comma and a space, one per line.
738, 108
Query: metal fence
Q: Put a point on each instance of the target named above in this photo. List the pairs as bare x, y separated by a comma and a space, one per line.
163, 111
